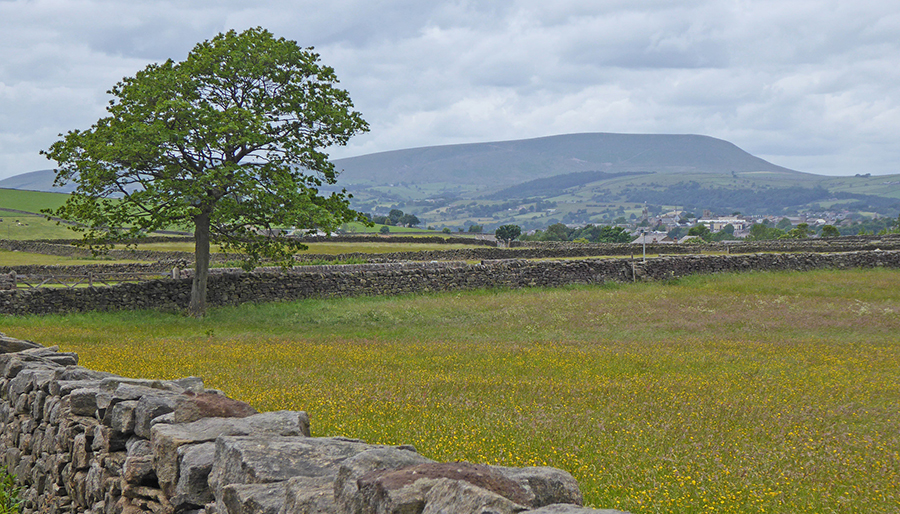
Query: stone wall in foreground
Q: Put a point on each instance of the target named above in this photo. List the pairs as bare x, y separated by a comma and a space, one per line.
231, 287
84, 441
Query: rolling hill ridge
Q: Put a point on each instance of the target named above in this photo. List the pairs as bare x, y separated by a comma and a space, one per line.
584, 178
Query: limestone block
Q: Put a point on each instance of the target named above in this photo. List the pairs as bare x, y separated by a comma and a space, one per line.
76, 488
309, 495
61, 387
253, 499
548, 485
165, 439
123, 392
113, 463
406, 489
346, 488
138, 470
49, 443
147, 498
93, 487
255, 459
11, 457
22, 404
137, 447
567, 508
26, 379
81, 455
23, 469
449, 496
50, 403
121, 417
149, 408
196, 462
11, 365
25, 440
192, 406
83, 401
37, 405
180, 385
107, 440
12, 345
73, 426
58, 407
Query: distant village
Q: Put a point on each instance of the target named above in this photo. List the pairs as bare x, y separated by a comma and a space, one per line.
680, 227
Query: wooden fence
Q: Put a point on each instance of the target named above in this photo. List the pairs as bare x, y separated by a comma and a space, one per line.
70, 281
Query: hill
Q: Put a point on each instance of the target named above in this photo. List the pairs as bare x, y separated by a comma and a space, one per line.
508, 162
585, 178
41, 180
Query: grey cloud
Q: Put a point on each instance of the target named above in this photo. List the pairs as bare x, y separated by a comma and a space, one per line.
809, 84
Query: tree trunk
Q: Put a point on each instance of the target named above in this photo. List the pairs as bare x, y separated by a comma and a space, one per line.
201, 265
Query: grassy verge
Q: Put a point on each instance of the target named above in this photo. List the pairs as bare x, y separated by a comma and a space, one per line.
761, 392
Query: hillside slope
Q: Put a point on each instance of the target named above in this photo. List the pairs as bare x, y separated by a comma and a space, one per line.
509, 162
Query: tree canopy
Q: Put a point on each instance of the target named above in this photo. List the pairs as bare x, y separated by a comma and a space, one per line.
507, 233
231, 142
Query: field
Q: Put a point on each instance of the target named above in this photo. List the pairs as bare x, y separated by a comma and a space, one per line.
760, 392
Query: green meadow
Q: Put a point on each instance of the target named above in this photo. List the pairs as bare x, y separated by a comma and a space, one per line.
758, 392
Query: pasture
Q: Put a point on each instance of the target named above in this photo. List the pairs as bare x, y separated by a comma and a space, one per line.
758, 392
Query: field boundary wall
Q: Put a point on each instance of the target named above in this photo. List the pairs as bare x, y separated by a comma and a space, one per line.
83, 441
482, 250
233, 286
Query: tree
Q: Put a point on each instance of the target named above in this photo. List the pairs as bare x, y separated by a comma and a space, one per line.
611, 234
476, 229
557, 232
231, 141
830, 231
800, 232
409, 220
395, 215
384, 230
507, 233
761, 232
784, 224
700, 230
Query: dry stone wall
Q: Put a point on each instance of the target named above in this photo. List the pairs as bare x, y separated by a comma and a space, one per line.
482, 250
83, 441
231, 287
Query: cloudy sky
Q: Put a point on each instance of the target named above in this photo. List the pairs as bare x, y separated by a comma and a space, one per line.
812, 85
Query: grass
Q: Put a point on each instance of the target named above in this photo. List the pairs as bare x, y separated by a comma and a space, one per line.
30, 201
8, 258
760, 392
20, 227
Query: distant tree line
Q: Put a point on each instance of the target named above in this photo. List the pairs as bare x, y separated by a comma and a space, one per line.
395, 218
586, 234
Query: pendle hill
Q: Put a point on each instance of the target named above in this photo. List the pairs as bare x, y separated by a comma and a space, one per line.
586, 178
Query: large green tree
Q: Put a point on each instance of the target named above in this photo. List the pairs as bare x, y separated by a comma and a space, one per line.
231, 141
507, 233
